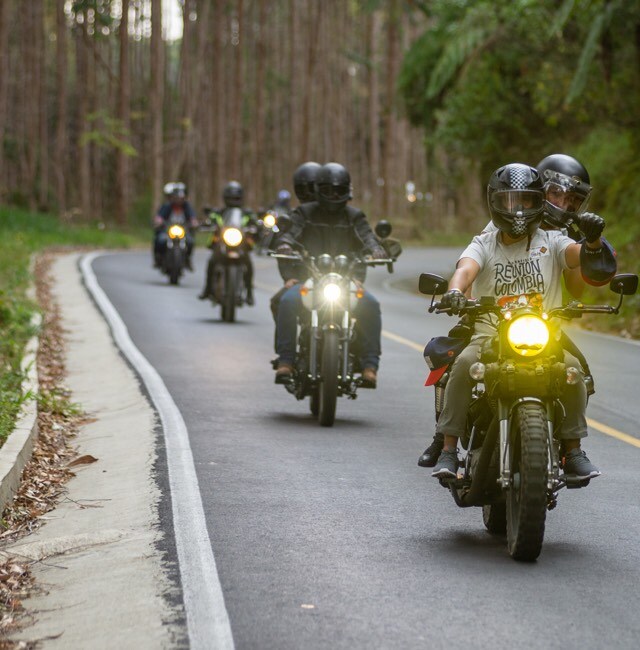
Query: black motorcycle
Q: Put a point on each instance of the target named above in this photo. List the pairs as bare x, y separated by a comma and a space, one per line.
174, 259
512, 467
327, 342
232, 242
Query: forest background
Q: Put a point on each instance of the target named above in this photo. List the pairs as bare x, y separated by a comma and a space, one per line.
101, 103
104, 101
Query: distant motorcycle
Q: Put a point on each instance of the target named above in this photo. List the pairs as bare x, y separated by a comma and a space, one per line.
267, 231
175, 255
327, 354
232, 243
512, 464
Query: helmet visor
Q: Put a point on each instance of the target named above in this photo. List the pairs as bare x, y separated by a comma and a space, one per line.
334, 193
525, 202
567, 194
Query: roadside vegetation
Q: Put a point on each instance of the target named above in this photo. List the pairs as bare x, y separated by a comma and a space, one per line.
22, 234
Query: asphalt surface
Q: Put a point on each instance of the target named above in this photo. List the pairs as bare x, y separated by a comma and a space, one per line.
334, 537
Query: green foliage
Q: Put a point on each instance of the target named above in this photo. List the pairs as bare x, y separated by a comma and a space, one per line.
21, 234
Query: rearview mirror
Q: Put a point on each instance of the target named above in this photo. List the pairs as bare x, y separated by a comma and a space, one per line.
431, 284
383, 229
624, 283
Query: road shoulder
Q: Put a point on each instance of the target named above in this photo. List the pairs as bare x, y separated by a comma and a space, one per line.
100, 565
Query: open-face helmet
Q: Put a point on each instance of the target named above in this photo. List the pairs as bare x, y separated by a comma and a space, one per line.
515, 196
567, 189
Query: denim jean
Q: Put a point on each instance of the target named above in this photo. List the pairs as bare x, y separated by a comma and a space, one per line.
368, 326
457, 397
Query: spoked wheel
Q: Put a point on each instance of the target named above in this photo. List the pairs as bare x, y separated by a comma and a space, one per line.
527, 496
494, 517
328, 389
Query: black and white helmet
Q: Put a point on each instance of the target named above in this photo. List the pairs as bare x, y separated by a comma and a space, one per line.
567, 189
515, 196
233, 194
333, 186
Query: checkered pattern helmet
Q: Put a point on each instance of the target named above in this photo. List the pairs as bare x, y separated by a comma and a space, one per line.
515, 195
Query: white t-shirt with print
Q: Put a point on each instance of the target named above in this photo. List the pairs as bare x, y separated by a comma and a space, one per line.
507, 272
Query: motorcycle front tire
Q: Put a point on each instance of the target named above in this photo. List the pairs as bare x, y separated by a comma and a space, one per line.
328, 389
527, 496
230, 289
174, 264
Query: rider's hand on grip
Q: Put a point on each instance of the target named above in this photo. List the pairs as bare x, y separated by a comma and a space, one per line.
453, 300
379, 254
591, 225
290, 283
284, 249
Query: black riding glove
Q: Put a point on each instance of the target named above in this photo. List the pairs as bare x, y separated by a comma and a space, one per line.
379, 253
454, 300
591, 225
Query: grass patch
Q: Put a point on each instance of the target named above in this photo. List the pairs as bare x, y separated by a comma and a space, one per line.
22, 234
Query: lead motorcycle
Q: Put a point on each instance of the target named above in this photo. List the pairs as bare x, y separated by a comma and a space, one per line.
232, 242
327, 344
512, 467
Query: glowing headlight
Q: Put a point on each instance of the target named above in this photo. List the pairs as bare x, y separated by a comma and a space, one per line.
232, 237
528, 335
176, 231
269, 220
331, 292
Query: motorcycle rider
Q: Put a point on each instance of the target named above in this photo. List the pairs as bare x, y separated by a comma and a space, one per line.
232, 197
328, 225
175, 207
304, 186
567, 193
519, 258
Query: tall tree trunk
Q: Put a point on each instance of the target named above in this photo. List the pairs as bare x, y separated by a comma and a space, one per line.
124, 93
82, 101
157, 99
4, 84
236, 90
259, 160
60, 155
389, 121
374, 106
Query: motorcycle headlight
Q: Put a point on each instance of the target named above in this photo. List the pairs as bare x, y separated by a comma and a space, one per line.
232, 237
331, 292
269, 220
176, 231
528, 335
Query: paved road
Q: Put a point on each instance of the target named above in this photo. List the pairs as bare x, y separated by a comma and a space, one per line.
335, 538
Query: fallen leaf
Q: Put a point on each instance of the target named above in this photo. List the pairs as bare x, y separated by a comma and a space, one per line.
87, 459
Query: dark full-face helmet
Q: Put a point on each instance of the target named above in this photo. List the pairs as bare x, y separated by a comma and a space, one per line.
232, 194
515, 195
304, 181
333, 186
567, 189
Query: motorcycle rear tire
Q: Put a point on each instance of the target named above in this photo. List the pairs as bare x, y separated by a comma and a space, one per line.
527, 497
494, 517
328, 389
314, 402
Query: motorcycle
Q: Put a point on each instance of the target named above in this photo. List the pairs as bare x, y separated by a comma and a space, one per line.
512, 467
175, 255
232, 241
327, 342
268, 229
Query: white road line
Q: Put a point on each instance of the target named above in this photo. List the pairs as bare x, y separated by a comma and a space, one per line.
207, 618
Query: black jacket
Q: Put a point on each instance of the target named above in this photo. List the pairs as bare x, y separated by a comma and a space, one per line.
319, 231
